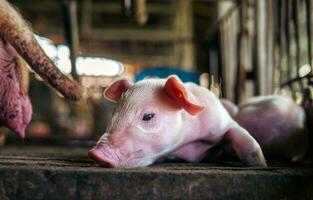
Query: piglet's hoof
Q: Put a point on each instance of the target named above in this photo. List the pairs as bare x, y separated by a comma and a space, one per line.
256, 159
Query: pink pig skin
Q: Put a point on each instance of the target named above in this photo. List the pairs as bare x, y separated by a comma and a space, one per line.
276, 122
131, 141
15, 105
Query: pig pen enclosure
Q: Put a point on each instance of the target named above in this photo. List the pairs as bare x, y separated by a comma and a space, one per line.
251, 47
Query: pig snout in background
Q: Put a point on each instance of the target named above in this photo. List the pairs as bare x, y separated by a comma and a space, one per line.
276, 122
156, 118
16, 39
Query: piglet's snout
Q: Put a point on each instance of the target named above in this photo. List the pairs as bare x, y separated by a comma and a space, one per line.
104, 155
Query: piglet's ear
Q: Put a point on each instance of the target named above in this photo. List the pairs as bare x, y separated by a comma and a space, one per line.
116, 89
175, 89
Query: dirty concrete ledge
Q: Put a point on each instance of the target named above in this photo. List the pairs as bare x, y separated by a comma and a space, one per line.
67, 173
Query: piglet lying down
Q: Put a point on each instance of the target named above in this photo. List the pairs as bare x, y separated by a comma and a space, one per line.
156, 118
276, 122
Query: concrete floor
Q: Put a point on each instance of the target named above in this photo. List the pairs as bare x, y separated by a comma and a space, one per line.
67, 173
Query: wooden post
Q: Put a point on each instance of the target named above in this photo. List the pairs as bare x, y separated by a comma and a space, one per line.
141, 14
282, 41
270, 45
309, 9
71, 32
86, 22
296, 22
276, 42
243, 52
228, 30
261, 50
288, 66
184, 49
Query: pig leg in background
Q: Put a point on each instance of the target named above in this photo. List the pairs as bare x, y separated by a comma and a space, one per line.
277, 123
245, 146
15, 105
231, 108
16, 38
3, 132
25, 83
15, 31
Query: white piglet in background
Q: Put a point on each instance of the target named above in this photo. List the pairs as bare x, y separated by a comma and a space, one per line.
276, 122
155, 118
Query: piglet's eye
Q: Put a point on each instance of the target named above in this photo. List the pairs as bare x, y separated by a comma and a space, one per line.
148, 117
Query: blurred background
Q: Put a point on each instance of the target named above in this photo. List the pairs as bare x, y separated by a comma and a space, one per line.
248, 47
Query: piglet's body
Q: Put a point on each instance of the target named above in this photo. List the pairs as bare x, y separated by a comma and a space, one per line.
276, 122
160, 117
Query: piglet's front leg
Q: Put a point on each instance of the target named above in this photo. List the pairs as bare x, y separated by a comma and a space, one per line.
245, 146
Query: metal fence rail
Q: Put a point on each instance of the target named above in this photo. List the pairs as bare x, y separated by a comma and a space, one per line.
267, 44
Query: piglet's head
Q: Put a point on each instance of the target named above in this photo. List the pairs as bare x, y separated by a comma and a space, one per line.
146, 123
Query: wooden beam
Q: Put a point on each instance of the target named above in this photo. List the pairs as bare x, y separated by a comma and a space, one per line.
155, 8
134, 34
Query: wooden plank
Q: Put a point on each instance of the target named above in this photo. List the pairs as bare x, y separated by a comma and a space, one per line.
153, 8
135, 34
161, 8
67, 173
